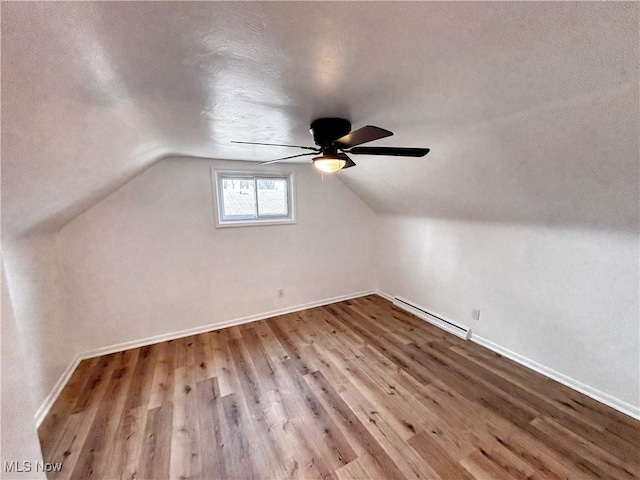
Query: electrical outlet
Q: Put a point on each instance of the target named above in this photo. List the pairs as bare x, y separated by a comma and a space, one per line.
281, 292
475, 314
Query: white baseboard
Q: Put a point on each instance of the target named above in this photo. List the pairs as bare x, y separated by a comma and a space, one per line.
602, 397
589, 391
56, 390
384, 295
66, 375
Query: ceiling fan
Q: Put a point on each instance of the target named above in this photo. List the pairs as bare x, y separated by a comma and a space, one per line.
334, 139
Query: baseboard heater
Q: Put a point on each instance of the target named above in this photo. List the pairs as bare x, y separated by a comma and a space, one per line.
437, 320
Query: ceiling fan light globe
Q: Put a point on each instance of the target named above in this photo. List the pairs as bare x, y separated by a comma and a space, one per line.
329, 165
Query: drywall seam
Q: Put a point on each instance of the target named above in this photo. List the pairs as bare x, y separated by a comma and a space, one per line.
602, 397
48, 402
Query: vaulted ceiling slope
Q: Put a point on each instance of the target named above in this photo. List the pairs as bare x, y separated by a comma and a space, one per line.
530, 109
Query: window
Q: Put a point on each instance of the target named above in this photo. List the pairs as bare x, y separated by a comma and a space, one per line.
246, 198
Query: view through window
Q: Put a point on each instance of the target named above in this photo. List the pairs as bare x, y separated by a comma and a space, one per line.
245, 198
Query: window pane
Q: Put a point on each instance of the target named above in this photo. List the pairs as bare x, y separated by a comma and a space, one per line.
239, 198
272, 197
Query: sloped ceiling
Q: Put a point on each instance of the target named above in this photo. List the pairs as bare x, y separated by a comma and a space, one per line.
530, 109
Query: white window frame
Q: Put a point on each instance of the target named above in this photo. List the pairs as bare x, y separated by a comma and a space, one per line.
218, 198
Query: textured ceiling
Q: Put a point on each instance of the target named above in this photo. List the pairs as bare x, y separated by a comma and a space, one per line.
530, 109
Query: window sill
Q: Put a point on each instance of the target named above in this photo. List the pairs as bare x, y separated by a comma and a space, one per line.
255, 223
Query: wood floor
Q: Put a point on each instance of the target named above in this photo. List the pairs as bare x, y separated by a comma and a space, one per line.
357, 389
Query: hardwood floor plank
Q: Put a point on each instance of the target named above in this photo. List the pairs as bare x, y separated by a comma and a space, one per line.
256, 404
342, 338
436, 410
99, 375
65, 403
180, 358
393, 331
122, 426
285, 411
438, 458
204, 358
625, 431
566, 416
293, 350
242, 462
163, 375
265, 368
212, 435
223, 363
394, 410
128, 446
425, 364
185, 434
190, 351
355, 389
270, 342
529, 449
599, 461
96, 451
349, 419
360, 469
485, 464
326, 438
408, 461
140, 390
155, 456
70, 441
323, 447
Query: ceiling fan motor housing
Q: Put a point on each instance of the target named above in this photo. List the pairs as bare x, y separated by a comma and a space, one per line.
326, 130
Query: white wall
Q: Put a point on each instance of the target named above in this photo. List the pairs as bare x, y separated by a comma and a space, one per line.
19, 441
564, 298
32, 267
148, 260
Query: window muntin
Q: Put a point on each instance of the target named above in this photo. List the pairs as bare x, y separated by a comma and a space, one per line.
252, 199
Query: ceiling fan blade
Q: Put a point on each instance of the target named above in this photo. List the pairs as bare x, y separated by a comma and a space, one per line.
277, 145
287, 158
350, 163
392, 151
362, 135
